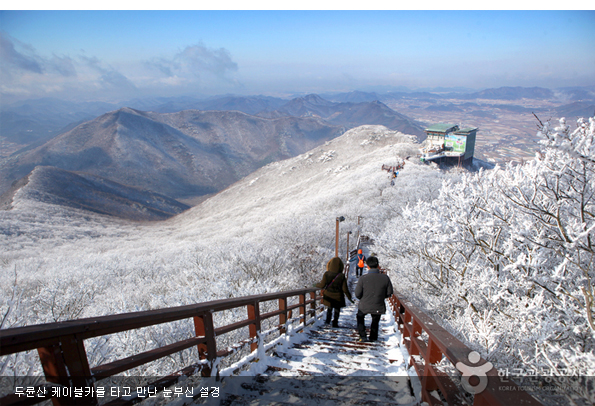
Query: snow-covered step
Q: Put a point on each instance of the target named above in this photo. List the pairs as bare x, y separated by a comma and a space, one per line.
328, 390
327, 366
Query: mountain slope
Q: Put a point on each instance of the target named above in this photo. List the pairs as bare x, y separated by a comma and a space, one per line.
575, 110
306, 193
332, 179
82, 191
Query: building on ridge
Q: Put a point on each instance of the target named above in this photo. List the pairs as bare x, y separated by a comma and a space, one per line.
447, 143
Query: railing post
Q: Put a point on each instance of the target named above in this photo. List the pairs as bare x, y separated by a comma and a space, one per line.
415, 333
53, 364
434, 354
406, 318
431, 356
254, 314
203, 326
303, 308
416, 327
66, 364
313, 304
283, 316
54, 368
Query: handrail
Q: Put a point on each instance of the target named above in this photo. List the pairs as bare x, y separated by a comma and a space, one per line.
64, 360
412, 323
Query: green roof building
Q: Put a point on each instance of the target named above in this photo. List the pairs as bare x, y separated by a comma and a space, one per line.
441, 128
448, 141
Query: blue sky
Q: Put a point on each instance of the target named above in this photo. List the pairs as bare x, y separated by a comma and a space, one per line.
118, 55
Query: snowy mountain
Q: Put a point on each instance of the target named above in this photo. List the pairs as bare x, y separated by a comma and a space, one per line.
181, 155
334, 179
271, 231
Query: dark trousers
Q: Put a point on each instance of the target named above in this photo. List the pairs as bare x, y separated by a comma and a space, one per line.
359, 271
361, 325
329, 311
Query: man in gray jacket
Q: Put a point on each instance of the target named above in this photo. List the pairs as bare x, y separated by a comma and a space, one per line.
371, 290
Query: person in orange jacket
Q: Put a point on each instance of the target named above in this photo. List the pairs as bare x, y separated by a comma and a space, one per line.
359, 270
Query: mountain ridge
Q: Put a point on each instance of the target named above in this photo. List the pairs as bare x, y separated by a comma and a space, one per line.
185, 154
52, 185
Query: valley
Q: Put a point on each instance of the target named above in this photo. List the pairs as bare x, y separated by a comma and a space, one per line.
507, 129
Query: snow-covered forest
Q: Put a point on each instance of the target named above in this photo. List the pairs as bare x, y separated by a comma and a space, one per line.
501, 257
504, 257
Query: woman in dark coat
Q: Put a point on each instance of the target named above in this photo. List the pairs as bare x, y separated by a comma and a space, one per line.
335, 284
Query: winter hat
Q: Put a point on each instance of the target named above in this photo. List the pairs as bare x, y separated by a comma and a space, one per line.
335, 265
359, 251
372, 262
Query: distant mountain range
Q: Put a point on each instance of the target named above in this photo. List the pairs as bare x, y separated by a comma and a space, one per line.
513, 93
180, 155
142, 161
569, 94
38, 120
348, 114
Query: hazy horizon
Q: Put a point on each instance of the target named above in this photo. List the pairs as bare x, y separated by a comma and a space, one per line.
118, 55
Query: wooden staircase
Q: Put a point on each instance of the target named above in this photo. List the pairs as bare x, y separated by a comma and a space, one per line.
329, 366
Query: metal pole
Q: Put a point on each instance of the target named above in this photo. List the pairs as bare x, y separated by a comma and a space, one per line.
347, 254
337, 239
339, 219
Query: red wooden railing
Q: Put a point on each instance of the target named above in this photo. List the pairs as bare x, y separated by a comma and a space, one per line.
64, 360
427, 350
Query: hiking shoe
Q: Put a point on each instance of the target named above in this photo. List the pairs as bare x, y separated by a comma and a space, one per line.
335, 324
362, 340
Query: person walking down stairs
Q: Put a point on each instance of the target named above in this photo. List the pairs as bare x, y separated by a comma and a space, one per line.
371, 290
334, 290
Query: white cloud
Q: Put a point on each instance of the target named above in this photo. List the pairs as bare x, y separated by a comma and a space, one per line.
27, 74
196, 60
16, 56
